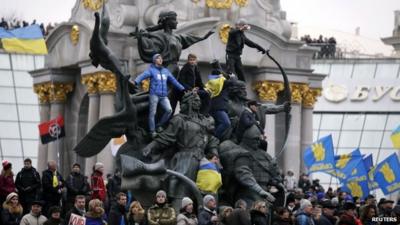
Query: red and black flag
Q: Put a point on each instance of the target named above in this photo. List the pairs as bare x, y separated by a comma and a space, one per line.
52, 130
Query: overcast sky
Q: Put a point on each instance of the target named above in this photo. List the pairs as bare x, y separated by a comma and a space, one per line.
374, 17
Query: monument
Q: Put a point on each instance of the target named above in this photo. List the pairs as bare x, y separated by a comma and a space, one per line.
71, 86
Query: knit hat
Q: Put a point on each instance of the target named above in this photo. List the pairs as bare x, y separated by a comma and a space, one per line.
10, 196
155, 56
186, 201
98, 165
6, 164
207, 198
161, 193
304, 203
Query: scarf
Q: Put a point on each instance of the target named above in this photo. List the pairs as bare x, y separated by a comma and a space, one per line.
215, 85
55, 179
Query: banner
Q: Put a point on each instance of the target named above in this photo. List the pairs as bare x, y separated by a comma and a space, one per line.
357, 182
344, 164
320, 155
52, 130
24, 40
76, 220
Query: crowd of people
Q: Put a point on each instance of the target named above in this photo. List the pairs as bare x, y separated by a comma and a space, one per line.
50, 199
327, 45
14, 24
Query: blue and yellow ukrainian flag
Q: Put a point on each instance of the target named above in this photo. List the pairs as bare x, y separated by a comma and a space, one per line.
344, 164
209, 178
320, 155
396, 137
357, 183
387, 174
24, 40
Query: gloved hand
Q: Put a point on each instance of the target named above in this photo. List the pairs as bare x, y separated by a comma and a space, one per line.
267, 196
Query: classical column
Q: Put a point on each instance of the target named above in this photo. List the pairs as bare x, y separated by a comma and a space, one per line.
91, 82
291, 157
42, 90
309, 98
107, 88
268, 93
58, 95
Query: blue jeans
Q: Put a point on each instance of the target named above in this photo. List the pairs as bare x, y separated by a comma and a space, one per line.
222, 122
164, 102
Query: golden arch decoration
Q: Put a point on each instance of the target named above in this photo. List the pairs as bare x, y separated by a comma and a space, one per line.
93, 4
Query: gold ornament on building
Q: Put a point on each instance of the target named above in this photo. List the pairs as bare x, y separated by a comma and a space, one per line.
219, 4
297, 92
52, 92
100, 82
310, 97
224, 33
74, 34
268, 90
93, 4
242, 3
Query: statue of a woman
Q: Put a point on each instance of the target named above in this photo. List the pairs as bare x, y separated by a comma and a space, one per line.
161, 39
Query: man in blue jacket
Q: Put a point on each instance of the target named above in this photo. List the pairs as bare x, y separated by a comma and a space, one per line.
159, 77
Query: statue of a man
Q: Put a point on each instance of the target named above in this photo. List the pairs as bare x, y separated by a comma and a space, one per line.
249, 170
161, 39
190, 133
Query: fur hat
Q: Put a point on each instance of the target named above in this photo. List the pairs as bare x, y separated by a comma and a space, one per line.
186, 201
10, 196
98, 165
207, 198
161, 193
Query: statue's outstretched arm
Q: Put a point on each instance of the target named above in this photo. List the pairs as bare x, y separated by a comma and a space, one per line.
268, 108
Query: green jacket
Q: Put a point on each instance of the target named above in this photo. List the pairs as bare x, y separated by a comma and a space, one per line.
163, 215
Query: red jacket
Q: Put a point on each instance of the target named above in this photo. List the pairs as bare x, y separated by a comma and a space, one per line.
97, 186
6, 185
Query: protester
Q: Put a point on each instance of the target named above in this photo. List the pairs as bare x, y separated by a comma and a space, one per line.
209, 178
55, 216
304, 182
35, 217
53, 186
187, 215
290, 181
78, 209
259, 213
136, 214
117, 215
12, 211
97, 183
369, 212
159, 79
239, 215
113, 186
349, 215
283, 217
160, 213
76, 184
28, 185
208, 215
95, 214
224, 213
247, 119
7, 185
303, 217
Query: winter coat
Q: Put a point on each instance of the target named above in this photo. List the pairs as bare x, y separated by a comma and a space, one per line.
279, 221
95, 219
304, 219
165, 215
159, 78
132, 220
323, 220
74, 210
11, 216
258, 218
239, 217
30, 219
27, 182
186, 219
113, 186
236, 42
6, 186
190, 77
97, 186
117, 213
205, 217
52, 221
50, 193
76, 184
347, 219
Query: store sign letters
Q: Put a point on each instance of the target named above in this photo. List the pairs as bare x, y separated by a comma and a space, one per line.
338, 93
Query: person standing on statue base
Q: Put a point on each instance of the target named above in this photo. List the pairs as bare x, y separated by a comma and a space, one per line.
159, 78
234, 48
